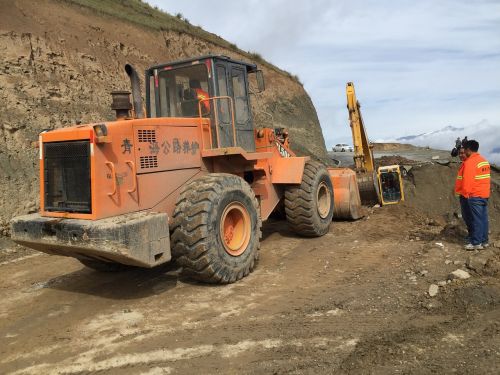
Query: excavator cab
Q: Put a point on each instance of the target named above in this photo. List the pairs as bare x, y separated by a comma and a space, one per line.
210, 86
390, 184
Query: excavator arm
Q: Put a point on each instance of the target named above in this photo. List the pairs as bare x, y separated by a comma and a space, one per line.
363, 155
383, 186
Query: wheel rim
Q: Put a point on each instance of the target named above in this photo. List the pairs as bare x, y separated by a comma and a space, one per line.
324, 200
235, 228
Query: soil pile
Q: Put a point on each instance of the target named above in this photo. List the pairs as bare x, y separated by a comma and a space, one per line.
393, 147
60, 61
429, 190
393, 160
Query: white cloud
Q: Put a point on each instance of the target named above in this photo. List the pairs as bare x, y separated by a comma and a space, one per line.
417, 65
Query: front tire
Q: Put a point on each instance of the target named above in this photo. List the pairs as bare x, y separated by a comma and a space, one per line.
309, 206
216, 229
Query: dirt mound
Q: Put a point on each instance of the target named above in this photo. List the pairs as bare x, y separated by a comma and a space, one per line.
429, 190
60, 61
393, 160
393, 147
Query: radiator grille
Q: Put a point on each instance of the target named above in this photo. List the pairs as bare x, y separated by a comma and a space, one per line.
149, 162
147, 136
67, 176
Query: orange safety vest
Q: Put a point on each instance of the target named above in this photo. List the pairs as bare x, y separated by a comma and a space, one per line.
201, 95
458, 181
476, 177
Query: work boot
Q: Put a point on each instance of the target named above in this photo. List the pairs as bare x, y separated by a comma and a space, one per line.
471, 247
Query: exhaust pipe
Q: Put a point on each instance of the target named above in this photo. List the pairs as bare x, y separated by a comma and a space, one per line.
136, 90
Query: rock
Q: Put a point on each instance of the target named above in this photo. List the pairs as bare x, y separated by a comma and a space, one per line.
431, 222
476, 262
424, 272
459, 275
433, 290
412, 278
442, 283
433, 305
444, 162
496, 244
447, 261
433, 245
435, 157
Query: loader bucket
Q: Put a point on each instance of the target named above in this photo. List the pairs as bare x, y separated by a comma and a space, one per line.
347, 202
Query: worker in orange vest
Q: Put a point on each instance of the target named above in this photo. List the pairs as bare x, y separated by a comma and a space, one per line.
201, 94
464, 208
476, 189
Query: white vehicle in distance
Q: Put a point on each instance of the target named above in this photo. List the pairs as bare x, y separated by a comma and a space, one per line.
342, 147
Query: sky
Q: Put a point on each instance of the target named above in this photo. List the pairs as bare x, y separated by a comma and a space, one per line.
417, 66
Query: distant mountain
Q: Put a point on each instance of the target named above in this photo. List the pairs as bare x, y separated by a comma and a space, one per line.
445, 130
444, 139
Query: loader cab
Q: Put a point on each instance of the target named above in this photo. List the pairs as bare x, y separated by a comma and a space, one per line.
214, 87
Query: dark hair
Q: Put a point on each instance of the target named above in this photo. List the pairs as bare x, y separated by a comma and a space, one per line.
459, 144
472, 145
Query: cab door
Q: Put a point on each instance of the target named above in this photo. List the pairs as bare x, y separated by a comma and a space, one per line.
223, 125
238, 90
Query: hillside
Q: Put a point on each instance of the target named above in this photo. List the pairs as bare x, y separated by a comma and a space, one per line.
61, 60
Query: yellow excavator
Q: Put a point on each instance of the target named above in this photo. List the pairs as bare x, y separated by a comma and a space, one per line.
364, 185
384, 185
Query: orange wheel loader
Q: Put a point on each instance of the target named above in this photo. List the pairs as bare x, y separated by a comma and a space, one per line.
183, 176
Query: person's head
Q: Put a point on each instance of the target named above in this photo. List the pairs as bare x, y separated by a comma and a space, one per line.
461, 154
194, 84
471, 146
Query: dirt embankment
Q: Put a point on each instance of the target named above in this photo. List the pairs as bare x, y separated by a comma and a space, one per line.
393, 147
60, 62
429, 189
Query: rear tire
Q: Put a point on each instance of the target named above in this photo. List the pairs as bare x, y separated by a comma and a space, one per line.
102, 266
309, 206
216, 229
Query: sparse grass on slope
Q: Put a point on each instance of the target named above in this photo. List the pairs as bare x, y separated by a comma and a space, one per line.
144, 15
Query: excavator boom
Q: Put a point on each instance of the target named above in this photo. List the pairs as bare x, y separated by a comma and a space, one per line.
363, 155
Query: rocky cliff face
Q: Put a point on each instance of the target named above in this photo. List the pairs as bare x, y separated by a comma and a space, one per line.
60, 62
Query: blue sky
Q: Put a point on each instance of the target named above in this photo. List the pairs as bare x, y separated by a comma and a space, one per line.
417, 66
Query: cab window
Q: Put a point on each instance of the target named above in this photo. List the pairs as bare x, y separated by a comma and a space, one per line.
240, 98
180, 90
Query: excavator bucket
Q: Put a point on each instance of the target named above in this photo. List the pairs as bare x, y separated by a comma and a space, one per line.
347, 202
368, 188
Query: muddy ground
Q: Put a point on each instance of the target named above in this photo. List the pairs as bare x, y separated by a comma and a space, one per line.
352, 302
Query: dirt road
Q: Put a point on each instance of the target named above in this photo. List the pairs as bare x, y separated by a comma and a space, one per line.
354, 301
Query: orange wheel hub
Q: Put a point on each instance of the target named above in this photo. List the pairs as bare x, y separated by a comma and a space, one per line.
324, 199
235, 228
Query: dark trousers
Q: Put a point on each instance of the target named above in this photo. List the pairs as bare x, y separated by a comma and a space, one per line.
466, 215
478, 208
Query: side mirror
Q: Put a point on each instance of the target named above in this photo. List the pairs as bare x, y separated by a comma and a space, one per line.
260, 80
